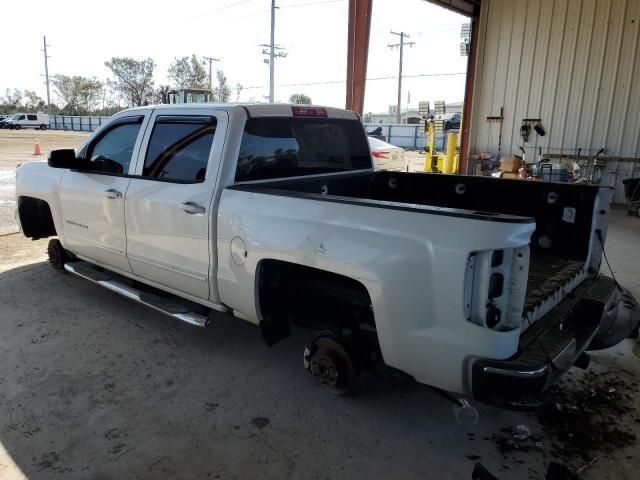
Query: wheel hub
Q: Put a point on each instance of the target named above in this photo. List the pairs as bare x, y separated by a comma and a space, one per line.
324, 369
330, 365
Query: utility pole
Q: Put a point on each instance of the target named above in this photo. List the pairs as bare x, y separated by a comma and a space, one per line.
210, 60
46, 73
270, 50
402, 43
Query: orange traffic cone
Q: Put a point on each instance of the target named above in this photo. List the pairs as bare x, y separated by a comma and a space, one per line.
36, 149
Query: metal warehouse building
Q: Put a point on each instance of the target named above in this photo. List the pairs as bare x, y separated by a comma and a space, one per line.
572, 64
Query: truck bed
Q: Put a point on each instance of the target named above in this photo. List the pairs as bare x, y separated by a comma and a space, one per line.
563, 214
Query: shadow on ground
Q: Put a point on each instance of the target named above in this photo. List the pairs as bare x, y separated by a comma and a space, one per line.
95, 386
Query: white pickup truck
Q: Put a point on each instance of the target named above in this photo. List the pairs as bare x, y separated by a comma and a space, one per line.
482, 287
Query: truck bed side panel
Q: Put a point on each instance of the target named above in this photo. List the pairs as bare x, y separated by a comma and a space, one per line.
412, 264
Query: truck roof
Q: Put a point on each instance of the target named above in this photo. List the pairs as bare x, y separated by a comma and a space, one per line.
255, 109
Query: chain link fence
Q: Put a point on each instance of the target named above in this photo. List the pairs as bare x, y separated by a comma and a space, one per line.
78, 123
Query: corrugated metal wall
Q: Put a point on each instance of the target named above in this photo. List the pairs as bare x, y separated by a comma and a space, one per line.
573, 63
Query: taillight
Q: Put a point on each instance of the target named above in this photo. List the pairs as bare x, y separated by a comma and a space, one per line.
495, 286
299, 111
380, 154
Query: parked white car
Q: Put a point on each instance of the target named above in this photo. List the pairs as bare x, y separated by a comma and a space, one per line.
28, 120
484, 287
386, 156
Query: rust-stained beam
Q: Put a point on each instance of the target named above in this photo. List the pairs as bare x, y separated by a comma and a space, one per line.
357, 53
469, 8
468, 98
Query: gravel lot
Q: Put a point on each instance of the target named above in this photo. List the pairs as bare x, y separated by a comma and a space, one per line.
95, 386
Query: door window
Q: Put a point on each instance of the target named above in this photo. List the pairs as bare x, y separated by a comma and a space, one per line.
32, 117
111, 153
179, 148
21, 117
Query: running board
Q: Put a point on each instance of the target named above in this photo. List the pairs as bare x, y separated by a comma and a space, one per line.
168, 306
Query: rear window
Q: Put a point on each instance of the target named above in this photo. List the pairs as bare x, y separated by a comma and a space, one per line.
277, 147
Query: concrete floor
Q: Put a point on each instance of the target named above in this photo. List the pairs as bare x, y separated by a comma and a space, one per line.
95, 386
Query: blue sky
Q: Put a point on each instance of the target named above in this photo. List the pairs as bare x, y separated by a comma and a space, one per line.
84, 34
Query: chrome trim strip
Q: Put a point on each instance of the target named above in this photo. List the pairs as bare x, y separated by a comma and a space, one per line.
191, 318
517, 373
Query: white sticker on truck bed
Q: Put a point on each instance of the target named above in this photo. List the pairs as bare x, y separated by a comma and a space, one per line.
569, 214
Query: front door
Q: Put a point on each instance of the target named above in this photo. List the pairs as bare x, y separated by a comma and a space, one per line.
169, 220
92, 200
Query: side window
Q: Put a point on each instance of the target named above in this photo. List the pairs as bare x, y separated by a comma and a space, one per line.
111, 152
21, 117
32, 117
179, 148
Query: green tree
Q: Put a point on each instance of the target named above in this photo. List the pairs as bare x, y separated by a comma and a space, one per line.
133, 78
222, 92
239, 89
188, 72
11, 101
108, 101
300, 99
78, 95
161, 94
33, 102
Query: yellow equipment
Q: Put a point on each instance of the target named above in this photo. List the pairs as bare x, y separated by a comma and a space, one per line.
447, 162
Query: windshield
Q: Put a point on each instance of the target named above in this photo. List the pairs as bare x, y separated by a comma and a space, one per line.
277, 147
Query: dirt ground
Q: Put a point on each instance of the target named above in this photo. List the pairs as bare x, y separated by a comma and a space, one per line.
95, 386
17, 146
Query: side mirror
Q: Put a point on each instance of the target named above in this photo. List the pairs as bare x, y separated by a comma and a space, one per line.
63, 158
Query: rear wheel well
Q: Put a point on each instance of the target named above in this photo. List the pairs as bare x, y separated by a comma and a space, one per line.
289, 293
35, 218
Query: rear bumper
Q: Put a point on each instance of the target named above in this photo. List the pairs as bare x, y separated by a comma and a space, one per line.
596, 315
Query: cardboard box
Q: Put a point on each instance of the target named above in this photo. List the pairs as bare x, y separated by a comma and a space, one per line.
511, 163
510, 175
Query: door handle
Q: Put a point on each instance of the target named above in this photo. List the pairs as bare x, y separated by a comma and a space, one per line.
112, 193
192, 208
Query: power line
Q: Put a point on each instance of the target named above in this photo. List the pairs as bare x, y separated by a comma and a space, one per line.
219, 9
330, 82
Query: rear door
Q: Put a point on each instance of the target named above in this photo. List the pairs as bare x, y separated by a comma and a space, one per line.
92, 202
168, 205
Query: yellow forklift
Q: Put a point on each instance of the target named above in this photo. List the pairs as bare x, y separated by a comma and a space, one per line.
441, 162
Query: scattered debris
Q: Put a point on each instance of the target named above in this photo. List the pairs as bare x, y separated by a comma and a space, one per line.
586, 465
588, 417
520, 432
517, 439
589, 414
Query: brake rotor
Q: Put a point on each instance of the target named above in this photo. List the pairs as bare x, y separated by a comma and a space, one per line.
330, 365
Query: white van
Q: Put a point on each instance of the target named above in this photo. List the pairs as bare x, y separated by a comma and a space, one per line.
28, 120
